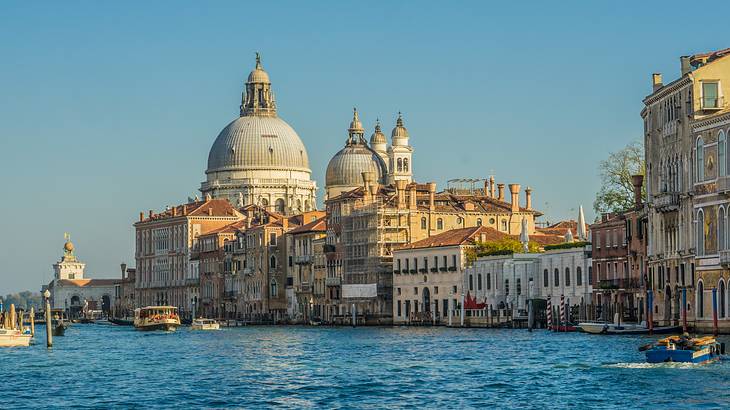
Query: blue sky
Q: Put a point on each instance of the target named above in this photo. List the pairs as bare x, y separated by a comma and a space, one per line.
109, 108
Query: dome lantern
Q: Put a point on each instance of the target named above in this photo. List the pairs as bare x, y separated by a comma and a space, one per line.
399, 135
257, 98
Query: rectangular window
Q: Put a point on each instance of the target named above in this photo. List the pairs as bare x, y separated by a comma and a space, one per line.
453, 260
399, 309
710, 95
435, 290
446, 305
436, 262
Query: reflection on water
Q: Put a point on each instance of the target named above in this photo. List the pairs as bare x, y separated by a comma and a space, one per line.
299, 367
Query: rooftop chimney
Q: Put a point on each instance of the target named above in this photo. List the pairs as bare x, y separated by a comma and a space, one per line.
174, 211
638, 182
150, 213
141, 216
684, 65
528, 198
491, 186
210, 211
431, 196
500, 192
514, 190
185, 209
656, 81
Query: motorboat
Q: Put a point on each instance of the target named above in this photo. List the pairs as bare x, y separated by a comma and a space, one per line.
14, 337
604, 328
156, 318
204, 324
121, 321
684, 349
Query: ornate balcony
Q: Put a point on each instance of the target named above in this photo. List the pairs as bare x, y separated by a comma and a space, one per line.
666, 202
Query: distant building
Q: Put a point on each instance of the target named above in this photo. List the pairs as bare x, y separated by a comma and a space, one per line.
73, 292
306, 272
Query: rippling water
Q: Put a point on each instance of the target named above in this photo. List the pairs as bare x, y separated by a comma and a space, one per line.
97, 366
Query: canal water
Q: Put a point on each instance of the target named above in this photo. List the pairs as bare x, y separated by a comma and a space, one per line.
100, 366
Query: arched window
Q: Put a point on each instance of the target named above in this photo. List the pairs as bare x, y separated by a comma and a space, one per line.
423, 223
479, 281
578, 276
439, 224
557, 277
721, 229
280, 206
567, 276
700, 160
721, 154
400, 164
506, 286
700, 233
471, 282
479, 221
700, 299
274, 288
721, 298
405, 164
272, 262
545, 274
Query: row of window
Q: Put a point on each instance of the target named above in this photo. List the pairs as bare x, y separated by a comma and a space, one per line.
403, 265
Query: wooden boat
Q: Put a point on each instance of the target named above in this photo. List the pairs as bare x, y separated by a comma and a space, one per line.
603, 328
156, 318
58, 324
684, 349
14, 337
121, 322
204, 324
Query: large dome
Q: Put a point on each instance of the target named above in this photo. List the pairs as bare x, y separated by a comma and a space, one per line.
347, 166
254, 142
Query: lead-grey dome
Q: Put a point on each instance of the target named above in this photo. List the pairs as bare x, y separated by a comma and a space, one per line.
347, 166
258, 142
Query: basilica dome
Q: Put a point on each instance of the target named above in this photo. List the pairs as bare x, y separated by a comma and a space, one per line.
344, 171
258, 142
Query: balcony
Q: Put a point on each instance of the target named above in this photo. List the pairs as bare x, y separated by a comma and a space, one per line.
335, 281
666, 202
725, 258
623, 284
303, 259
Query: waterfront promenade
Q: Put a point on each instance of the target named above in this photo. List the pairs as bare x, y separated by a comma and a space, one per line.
97, 366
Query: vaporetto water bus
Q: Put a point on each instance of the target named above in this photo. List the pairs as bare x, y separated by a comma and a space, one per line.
156, 318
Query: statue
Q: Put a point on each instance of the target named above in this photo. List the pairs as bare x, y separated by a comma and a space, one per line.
239, 203
208, 197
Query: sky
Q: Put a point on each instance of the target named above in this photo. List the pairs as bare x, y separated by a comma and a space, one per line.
109, 108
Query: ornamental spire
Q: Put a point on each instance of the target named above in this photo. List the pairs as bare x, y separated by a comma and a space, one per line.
258, 99
356, 131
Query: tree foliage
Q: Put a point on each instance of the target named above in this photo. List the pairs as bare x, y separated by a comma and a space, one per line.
617, 191
502, 246
23, 300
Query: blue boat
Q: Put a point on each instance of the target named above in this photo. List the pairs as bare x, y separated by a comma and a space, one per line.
684, 349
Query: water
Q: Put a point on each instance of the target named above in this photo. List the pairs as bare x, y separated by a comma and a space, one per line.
97, 366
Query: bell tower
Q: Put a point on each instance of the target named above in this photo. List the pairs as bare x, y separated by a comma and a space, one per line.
400, 154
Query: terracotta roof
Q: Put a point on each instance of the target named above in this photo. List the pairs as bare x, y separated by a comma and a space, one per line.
87, 282
213, 207
456, 237
318, 225
561, 228
230, 228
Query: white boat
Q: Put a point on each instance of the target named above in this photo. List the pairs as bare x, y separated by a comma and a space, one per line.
156, 318
604, 328
14, 337
204, 324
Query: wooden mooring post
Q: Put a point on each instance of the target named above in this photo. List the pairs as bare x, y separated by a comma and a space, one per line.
49, 331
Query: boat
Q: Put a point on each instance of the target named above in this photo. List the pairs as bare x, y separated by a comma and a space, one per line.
204, 324
684, 349
604, 328
156, 318
58, 324
14, 337
121, 322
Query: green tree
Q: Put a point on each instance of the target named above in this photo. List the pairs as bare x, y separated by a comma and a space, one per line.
617, 191
499, 247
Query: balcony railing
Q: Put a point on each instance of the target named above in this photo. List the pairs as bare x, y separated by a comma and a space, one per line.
303, 259
712, 103
335, 281
624, 283
725, 258
666, 202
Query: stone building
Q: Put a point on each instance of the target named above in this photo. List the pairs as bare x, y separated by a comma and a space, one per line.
258, 158
124, 302
210, 251
709, 297
306, 272
166, 274
73, 292
681, 167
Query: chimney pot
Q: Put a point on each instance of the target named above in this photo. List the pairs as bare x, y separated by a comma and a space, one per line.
491, 186
431, 196
656, 81
514, 190
150, 213
500, 192
684, 64
141, 216
638, 182
528, 198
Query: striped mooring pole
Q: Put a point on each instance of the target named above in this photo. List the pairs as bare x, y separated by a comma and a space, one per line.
714, 311
549, 314
684, 310
562, 312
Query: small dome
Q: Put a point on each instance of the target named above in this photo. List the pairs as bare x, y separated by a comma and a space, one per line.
399, 131
347, 166
378, 137
258, 75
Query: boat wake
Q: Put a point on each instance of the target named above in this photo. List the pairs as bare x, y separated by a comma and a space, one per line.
672, 365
